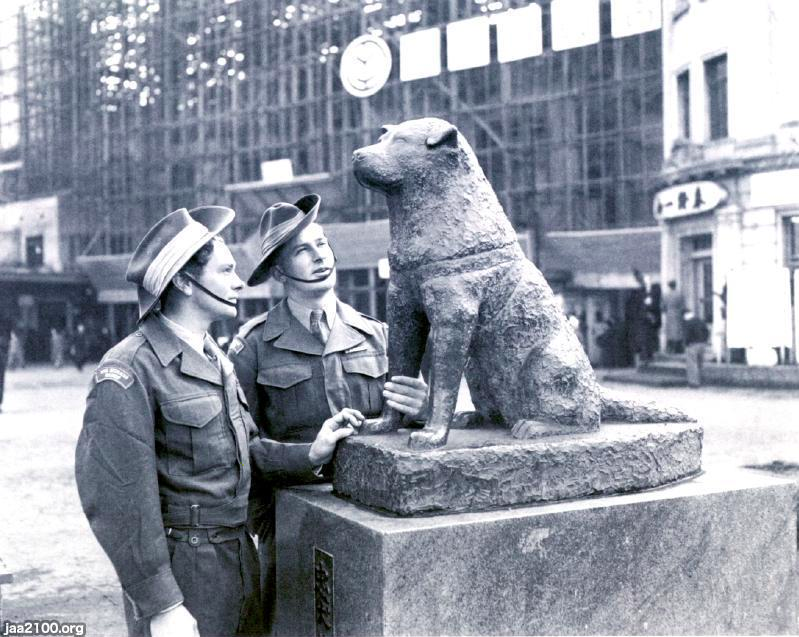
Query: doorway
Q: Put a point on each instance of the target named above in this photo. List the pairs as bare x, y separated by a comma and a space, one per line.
703, 288
696, 252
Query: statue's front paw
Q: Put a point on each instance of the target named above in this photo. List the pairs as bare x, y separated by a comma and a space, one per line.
428, 438
380, 425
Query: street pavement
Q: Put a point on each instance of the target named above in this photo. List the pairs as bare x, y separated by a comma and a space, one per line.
60, 572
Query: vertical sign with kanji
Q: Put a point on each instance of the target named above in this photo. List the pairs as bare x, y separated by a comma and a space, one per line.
323, 593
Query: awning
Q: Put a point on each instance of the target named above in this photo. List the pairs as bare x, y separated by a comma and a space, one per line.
251, 198
601, 259
24, 275
357, 246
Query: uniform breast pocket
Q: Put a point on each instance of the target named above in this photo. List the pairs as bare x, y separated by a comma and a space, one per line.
197, 434
292, 395
365, 377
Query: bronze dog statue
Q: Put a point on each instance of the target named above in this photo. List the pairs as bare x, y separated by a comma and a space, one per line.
459, 274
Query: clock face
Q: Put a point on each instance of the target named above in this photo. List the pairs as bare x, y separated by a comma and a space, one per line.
365, 65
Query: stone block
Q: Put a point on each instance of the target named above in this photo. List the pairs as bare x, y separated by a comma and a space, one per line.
715, 554
484, 468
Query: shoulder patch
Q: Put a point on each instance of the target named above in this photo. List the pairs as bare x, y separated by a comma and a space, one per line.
236, 345
115, 374
249, 326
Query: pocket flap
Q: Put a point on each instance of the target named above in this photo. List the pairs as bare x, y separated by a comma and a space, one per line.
284, 376
196, 411
372, 366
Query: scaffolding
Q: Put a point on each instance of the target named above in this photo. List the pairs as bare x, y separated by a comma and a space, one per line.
132, 108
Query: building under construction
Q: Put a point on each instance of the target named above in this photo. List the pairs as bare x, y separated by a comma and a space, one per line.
128, 109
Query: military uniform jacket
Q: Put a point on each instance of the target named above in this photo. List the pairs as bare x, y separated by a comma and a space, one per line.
294, 383
163, 432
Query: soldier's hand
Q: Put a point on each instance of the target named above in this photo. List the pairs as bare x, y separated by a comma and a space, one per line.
176, 622
343, 424
407, 395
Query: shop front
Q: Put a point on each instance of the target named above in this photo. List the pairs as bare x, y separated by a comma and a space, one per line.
731, 242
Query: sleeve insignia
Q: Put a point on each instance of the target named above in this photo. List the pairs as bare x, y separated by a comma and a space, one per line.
115, 374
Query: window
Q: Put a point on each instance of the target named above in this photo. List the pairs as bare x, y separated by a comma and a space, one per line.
716, 82
792, 241
34, 251
684, 105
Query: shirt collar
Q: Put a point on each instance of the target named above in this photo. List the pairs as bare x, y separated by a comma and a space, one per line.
193, 339
303, 313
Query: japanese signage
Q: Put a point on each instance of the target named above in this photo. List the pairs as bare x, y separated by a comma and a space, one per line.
575, 23
628, 17
366, 62
323, 592
688, 199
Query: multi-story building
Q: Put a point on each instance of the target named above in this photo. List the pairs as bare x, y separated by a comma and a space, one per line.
132, 108
730, 207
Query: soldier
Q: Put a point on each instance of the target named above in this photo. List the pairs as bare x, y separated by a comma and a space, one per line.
311, 355
163, 463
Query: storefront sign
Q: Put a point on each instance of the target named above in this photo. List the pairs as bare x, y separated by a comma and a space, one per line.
365, 65
688, 199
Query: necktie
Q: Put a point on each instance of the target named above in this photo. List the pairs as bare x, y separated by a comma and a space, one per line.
317, 329
210, 352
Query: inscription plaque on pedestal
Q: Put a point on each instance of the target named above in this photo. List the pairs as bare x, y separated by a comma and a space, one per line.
323, 593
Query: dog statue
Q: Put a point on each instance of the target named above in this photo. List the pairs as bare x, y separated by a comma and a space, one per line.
459, 275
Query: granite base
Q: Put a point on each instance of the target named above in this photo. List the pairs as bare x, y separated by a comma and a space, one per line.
715, 554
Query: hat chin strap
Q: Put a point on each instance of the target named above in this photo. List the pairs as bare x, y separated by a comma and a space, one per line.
317, 279
207, 291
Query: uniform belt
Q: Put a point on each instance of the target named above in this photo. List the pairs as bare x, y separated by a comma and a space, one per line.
231, 514
205, 536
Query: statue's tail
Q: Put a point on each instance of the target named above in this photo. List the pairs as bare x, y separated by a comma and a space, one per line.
625, 410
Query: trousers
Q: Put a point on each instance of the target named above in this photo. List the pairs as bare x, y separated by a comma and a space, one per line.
217, 572
694, 357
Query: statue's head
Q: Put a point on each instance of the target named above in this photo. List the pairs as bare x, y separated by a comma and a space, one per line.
410, 152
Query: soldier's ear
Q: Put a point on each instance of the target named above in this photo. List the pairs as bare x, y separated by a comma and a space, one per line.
181, 283
277, 274
446, 136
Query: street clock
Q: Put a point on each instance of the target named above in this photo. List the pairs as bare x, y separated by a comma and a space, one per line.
365, 65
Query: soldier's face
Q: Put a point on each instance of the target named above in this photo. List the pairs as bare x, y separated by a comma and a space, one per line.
219, 276
308, 256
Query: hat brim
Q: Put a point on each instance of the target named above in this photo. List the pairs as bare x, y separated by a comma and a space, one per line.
261, 271
216, 219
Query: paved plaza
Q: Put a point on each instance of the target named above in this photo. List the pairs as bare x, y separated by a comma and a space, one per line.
62, 574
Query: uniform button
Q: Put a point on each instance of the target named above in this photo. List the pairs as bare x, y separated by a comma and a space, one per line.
138, 334
194, 540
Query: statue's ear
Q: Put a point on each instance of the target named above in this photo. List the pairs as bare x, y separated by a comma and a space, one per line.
446, 136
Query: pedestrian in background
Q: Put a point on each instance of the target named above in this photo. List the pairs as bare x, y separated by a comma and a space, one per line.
673, 311
16, 350
601, 332
56, 347
79, 348
642, 319
5, 337
696, 335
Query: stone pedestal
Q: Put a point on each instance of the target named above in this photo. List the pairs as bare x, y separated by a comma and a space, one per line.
485, 468
715, 554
